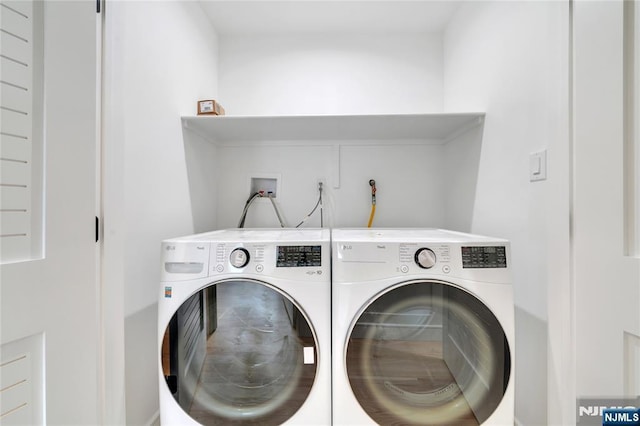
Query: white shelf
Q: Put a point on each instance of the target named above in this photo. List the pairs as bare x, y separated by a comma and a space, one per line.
431, 127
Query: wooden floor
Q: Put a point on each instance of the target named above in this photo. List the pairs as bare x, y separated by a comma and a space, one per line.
254, 365
253, 373
412, 378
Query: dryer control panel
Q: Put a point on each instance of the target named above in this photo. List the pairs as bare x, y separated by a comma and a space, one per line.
484, 256
381, 260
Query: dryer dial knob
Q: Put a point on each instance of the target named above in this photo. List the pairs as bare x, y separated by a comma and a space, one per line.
425, 258
239, 258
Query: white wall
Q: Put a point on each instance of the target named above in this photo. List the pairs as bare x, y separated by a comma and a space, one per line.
461, 156
331, 74
342, 73
505, 58
160, 59
409, 191
509, 60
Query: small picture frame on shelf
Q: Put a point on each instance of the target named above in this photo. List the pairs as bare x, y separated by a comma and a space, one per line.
210, 107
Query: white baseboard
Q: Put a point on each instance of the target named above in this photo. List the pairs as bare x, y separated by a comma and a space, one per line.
154, 420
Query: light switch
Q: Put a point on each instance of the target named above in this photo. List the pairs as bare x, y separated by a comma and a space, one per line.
538, 166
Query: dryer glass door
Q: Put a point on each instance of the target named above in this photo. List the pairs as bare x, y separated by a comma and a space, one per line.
240, 351
428, 353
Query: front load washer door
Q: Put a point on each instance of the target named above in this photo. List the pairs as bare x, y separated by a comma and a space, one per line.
240, 351
427, 353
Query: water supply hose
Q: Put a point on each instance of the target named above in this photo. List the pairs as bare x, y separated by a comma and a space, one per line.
275, 207
372, 183
319, 203
250, 200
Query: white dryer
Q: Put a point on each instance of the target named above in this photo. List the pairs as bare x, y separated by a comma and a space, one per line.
244, 328
423, 328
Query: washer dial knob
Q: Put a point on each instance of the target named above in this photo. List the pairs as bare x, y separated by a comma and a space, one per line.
239, 258
425, 258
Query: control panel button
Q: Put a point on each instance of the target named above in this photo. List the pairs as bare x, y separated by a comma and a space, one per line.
239, 258
259, 267
425, 258
404, 269
446, 269
219, 268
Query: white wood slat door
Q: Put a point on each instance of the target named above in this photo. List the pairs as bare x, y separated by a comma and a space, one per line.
49, 287
21, 76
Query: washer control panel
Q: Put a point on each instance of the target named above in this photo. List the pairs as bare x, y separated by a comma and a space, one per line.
303, 255
239, 258
184, 261
299, 256
281, 260
425, 258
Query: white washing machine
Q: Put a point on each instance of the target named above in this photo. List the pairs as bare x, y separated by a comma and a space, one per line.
423, 328
244, 328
